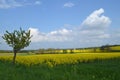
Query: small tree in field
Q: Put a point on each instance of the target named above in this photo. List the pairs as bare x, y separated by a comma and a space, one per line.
17, 40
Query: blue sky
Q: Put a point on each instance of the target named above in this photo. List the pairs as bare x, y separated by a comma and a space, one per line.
62, 23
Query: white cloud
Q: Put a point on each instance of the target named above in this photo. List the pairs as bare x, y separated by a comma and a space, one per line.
69, 4
37, 36
60, 32
58, 35
114, 36
9, 4
95, 26
116, 33
5, 4
96, 20
37, 2
104, 36
92, 30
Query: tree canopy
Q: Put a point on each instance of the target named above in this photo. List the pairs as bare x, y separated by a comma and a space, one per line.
18, 39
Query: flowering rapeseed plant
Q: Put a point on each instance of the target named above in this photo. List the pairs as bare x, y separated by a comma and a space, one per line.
56, 59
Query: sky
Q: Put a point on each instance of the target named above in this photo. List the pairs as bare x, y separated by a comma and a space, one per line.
62, 23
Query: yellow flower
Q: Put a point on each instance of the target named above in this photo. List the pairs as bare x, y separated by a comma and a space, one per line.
56, 59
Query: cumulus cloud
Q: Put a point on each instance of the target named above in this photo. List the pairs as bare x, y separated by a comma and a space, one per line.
58, 35
95, 26
5, 4
91, 32
92, 29
96, 20
69, 4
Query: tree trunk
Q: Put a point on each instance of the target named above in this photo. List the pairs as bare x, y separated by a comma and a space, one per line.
14, 57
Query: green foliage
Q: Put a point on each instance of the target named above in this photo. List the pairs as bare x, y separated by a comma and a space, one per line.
17, 39
64, 50
71, 51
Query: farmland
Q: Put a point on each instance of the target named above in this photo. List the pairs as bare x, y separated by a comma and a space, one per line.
62, 64
56, 59
100, 49
59, 40
84, 66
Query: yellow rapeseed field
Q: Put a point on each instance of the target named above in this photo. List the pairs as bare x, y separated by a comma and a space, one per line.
55, 59
115, 48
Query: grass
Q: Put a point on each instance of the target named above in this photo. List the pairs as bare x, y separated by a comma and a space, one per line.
97, 70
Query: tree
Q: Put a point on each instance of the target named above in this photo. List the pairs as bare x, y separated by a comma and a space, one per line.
105, 48
17, 40
41, 51
94, 49
102, 48
71, 51
108, 49
64, 50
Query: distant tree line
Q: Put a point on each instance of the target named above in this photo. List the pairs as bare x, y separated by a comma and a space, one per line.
104, 48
